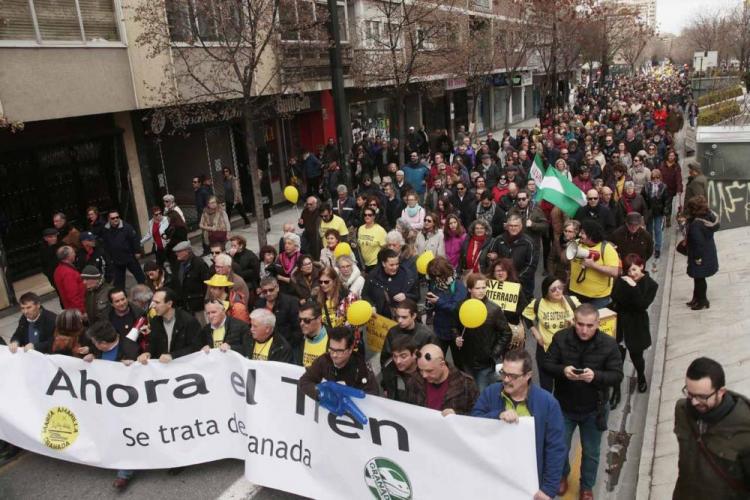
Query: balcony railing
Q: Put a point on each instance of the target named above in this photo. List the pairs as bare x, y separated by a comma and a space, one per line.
310, 61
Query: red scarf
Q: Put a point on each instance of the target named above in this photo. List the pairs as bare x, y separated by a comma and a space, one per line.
627, 200
288, 262
473, 251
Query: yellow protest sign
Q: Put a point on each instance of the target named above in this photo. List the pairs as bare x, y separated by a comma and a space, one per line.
377, 329
504, 294
608, 322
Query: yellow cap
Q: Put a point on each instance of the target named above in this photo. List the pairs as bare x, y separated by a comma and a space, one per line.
218, 280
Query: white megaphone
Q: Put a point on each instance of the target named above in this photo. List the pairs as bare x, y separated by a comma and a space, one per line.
574, 251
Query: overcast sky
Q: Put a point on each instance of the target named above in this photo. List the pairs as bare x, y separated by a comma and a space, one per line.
673, 15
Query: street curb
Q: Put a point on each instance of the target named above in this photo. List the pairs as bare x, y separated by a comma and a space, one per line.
648, 449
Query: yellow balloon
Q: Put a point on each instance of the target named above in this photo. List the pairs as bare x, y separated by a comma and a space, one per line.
473, 313
342, 248
359, 312
423, 260
291, 194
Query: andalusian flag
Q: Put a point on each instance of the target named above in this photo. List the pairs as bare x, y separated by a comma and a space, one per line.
561, 192
536, 171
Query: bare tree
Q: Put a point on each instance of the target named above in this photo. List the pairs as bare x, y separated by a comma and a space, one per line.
402, 44
473, 58
639, 34
515, 35
225, 51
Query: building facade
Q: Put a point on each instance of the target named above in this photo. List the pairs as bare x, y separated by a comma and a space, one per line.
86, 91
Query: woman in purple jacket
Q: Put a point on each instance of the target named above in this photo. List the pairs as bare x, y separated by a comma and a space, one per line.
454, 234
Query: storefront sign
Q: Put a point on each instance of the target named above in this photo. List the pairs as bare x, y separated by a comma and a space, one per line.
455, 83
292, 104
527, 78
207, 407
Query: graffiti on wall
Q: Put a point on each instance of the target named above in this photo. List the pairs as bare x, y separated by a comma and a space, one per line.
730, 199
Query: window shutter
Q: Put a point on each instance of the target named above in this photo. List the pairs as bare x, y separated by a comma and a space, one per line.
99, 20
15, 20
58, 20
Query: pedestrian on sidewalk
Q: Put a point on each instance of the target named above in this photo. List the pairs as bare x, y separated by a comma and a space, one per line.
122, 244
703, 261
233, 196
632, 294
712, 425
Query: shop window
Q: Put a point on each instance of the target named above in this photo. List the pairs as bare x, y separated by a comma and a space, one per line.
64, 21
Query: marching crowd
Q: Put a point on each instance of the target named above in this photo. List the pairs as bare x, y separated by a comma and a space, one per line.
477, 210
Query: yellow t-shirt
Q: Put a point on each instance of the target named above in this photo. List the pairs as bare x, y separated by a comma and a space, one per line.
313, 350
552, 317
596, 285
336, 223
261, 350
218, 336
370, 242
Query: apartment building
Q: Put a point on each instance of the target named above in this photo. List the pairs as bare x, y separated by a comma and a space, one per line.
72, 72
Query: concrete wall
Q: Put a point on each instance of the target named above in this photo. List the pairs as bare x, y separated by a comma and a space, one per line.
48, 83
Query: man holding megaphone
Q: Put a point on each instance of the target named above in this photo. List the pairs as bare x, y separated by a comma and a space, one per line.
594, 265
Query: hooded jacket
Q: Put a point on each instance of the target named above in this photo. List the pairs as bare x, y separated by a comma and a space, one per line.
701, 246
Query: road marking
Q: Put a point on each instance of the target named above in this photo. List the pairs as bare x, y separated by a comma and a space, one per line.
574, 478
242, 489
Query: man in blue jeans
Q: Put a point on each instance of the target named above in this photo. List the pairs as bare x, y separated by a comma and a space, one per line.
585, 363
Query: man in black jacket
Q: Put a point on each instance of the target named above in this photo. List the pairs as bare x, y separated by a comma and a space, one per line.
264, 344
107, 344
123, 247
585, 362
517, 245
221, 329
246, 260
188, 279
338, 365
593, 210
174, 332
400, 367
389, 284
35, 326
91, 255
407, 326
48, 254
286, 310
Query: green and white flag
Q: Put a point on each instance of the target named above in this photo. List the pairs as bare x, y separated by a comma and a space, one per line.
536, 171
557, 189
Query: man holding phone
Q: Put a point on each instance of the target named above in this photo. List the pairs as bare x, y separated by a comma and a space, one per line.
585, 363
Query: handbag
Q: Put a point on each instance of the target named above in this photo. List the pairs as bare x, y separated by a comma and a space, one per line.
682, 247
217, 237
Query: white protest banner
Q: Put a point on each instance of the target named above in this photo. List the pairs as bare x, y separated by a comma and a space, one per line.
213, 406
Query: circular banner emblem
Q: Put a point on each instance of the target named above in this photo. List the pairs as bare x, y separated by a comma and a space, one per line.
387, 480
60, 428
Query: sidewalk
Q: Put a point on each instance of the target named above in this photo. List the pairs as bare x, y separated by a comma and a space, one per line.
719, 333
279, 216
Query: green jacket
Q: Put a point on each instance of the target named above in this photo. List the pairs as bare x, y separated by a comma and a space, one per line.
728, 440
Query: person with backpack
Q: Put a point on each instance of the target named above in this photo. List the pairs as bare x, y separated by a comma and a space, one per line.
549, 314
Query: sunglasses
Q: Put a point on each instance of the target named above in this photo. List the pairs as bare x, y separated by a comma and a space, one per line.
307, 321
427, 356
593, 198
370, 215
216, 253
324, 282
